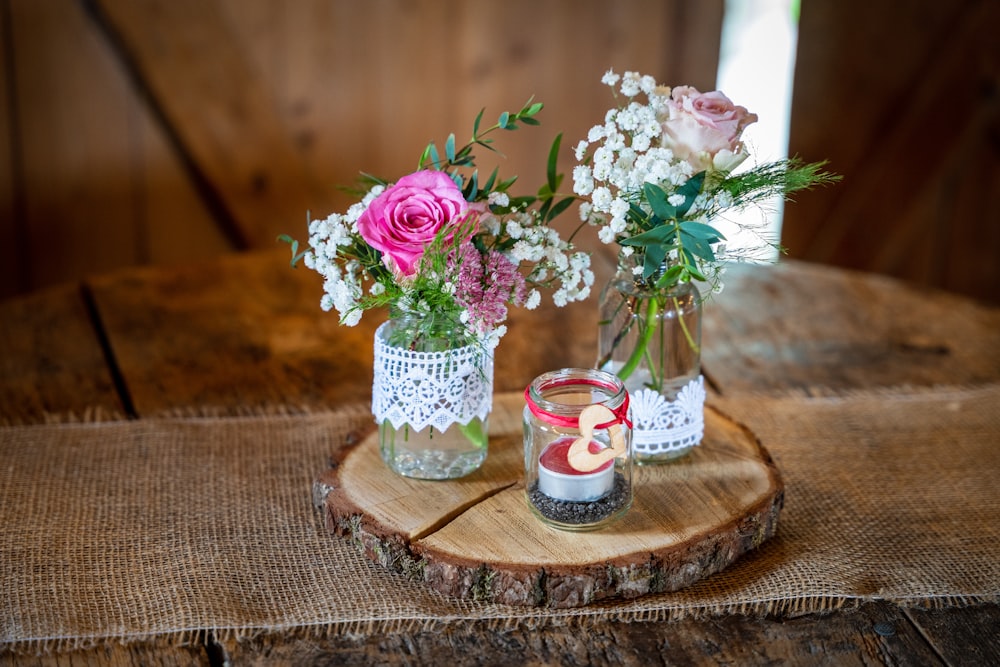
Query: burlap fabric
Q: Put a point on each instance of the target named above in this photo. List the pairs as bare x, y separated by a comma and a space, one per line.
154, 528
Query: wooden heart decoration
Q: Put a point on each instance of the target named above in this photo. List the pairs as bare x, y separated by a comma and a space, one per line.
579, 455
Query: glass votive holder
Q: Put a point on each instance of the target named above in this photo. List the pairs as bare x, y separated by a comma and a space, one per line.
577, 448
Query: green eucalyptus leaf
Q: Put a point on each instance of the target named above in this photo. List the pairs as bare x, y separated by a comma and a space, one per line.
472, 187
699, 248
526, 200
504, 119
505, 184
551, 167
701, 230
670, 277
690, 190
527, 120
488, 185
558, 209
691, 265
637, 216
296, 255
475, 124
657, 199
543, 210
662, 235
449, 147
424, 156
653, 259
694, 273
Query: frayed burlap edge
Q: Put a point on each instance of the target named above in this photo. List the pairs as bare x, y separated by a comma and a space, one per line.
570, 619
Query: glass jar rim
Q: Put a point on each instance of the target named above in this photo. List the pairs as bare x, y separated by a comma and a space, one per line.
589, 379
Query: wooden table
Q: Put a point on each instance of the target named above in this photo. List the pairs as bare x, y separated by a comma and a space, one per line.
245, 333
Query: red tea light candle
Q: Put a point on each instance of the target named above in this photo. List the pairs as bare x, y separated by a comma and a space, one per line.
560, 480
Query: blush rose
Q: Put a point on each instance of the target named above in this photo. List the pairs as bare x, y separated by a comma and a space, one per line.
405, 219
705, 128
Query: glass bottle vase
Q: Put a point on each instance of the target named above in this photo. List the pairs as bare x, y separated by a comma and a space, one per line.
432, 394
651, 339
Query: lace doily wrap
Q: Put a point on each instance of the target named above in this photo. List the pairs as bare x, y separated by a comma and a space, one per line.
436, 389
661, 426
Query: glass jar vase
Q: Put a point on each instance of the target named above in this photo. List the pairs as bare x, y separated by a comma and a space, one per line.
577, 448
432, 394
651, 339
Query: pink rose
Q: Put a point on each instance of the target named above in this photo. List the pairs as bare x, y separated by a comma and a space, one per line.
405, 219
705, 128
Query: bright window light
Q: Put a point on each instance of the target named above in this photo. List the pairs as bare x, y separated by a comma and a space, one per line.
756, 68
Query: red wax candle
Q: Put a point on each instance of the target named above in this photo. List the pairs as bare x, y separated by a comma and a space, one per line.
558, 479
556, 457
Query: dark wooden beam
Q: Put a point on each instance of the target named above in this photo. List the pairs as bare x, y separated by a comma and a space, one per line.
187, 62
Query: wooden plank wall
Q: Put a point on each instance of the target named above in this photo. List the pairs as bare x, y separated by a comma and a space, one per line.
904, 100
159, 131
164, 131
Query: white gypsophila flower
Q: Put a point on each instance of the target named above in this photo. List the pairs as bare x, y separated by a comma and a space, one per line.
490, 223
498, 199
610, 78
641, 142
615, 140
627, 250
619, 208
377, 289
491, 339
702, 202
630, 84
581, 149
596, 134
583, 180
605, 235
557, 259
647, 84
351, 318
514, 229
626, 160
628, 118
585, 211
524, 251
604, 158
676, 199
533, 300
560, 297
601, 199
372, 194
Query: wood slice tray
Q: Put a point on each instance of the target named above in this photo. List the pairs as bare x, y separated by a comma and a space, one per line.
476, 537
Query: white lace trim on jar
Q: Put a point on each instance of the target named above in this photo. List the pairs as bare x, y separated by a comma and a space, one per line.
438, 389
662, 426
